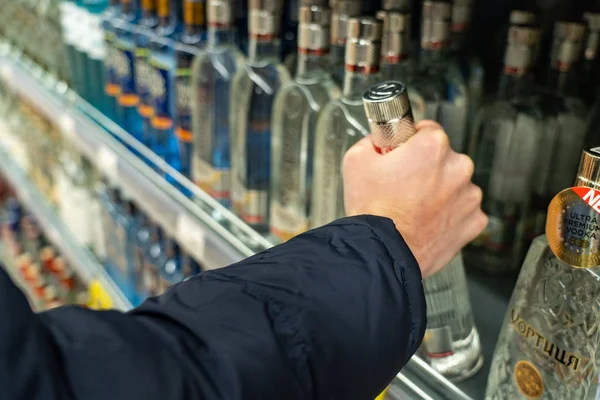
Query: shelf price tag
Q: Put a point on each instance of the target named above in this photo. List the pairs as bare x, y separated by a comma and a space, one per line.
191, 237
67, 126
98, 299
108, 162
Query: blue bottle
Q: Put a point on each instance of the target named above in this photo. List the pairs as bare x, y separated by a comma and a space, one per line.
145, 29
170, 271
111, 82
191, 39
96, 53
125, 27
162, 81
152, 262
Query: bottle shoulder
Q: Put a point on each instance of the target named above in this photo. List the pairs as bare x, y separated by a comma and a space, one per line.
343, 114
225, 61
317, 93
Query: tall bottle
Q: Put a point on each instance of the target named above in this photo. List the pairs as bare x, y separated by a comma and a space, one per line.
589, 80
96, 52
565, 115
143, 72
69, 13
162, 81
186, 49
341, 12
508, 131
295, 112
548, 346
111, 80
396, 63
343, 122
255, 87
128, 99
212, 76
451, 342
153, 261
438, 89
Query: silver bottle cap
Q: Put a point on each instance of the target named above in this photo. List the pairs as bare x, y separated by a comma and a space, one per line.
593, 36
461, 15
341, 12
389, 114
363, 48
264, 21
219, 13
396, 37
435, 26
522, 17
588, 173
521, 50
567, 44
313, 30
396, 5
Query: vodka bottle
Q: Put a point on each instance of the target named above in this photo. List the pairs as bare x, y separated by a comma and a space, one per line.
589, 81
565, 116
295, 112
343, 122
186, 49
143, 72
438, 90
451, 343
255, 87
508, 132
162, 81
341, 12
212, 75
549, 343
111, 81
396, 63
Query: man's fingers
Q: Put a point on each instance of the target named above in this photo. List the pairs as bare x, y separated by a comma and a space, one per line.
361, 152
427, 123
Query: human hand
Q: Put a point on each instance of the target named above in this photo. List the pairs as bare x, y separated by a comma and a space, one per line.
424, 187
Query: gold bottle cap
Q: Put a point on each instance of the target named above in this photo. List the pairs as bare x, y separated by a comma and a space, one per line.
313, 30
363, 46
566, 48
219, 13
395, 42
589, 168
522, 17
389, 114
341, 12
264, 21
435, 25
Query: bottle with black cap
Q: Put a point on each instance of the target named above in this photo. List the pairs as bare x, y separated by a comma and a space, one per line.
506, 135
549, 341
343, 122
451, 343
254, 89
438, 90
295, 112
212, 75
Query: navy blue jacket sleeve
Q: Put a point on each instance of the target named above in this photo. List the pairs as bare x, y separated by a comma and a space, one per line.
332, 314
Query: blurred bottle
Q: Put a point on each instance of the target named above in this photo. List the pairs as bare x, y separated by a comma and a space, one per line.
590, 65
396, 61
341, 12
111, 81
96, 53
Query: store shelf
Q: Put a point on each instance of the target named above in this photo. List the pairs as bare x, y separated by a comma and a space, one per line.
11, 268
83, 263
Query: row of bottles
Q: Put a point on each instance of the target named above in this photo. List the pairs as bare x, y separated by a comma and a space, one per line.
46, 275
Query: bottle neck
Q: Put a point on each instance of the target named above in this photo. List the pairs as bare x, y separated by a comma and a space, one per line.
396, 70
261, 49
562, 82
193, 17
356, 84
512, 85
437, 59
218, 36
458, 40
311, 63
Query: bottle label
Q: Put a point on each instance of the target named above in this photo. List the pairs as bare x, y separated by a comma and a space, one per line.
143, 73
124, 68
214, 181
573, 227
184, 96
250, 205
528, 380
162, 92
437, 343
286, 223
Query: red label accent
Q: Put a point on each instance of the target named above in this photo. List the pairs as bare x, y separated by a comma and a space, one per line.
590, 196
314, 52
362, 70
440, 355
395, 59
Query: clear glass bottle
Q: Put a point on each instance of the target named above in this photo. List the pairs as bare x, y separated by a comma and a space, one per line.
255, 87
145, 28
549, 341
341, 12
508, 131
128, 100
296, 109
565, 115
438, 90
186, 49
162, 81
212, 75
589, 80
451, 343
343, 122
111, 81
396, 63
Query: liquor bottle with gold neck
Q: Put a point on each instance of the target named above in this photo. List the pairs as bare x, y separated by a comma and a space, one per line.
212, 75
451, 343
343, 122
549, 345
295, 112
341, 12
396, 63
255, 87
